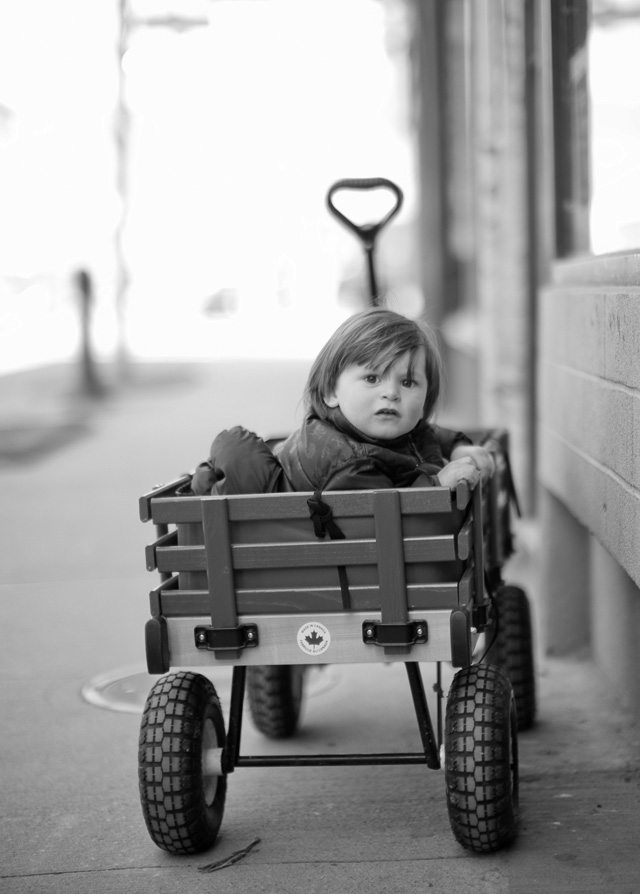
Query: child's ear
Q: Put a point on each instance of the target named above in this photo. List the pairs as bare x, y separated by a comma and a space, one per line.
331, 400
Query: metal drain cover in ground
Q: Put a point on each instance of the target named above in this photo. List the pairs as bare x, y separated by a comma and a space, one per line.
126, 689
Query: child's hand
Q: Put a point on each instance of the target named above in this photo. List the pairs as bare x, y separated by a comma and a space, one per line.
462, 469
482, 459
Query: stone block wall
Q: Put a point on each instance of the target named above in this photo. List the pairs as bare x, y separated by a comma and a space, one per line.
589, 460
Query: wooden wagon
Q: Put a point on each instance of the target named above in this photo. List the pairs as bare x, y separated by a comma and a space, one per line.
272, 584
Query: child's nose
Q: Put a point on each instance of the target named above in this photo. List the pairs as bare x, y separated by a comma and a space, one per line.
391, 390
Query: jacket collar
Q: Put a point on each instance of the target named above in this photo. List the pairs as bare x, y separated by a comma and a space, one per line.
336, 417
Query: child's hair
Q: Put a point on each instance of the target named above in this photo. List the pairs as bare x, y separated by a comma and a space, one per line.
375, 338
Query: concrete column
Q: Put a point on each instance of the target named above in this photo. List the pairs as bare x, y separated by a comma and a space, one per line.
427, 53
615, 610
564, 578
501, 224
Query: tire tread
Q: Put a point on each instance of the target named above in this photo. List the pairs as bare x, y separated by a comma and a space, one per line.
481, 759
169, 764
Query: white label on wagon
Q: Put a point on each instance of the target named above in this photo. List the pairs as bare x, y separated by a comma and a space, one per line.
314, 638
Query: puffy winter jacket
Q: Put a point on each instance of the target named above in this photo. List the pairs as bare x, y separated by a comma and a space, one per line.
334, 456
239, 462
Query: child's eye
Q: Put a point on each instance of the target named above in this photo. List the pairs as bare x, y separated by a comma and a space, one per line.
408, 383
371, 378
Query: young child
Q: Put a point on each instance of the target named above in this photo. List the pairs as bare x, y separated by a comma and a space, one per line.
369, 397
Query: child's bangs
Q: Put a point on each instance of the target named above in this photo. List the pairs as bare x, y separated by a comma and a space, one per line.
375, 339
380, 356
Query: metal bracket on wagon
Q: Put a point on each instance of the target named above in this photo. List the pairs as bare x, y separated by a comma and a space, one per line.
460, 630
412, 633
226, 639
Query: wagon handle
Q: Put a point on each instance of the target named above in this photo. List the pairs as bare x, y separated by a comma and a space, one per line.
366, 233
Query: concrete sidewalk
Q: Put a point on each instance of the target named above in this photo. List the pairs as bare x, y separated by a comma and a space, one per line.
73, 607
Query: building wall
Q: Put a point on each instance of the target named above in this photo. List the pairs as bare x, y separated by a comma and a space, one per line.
578, 427
502, 266
589, 463
484, 218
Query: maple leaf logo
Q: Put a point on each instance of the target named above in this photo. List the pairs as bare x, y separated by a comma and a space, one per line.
314, 639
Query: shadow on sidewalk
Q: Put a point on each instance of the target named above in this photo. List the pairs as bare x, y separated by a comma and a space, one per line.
45, 409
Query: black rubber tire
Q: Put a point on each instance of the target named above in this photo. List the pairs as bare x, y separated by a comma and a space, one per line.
275, 694
181, 806
481, 759
512, 650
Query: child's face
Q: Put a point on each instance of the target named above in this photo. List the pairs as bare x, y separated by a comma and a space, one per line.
382, 405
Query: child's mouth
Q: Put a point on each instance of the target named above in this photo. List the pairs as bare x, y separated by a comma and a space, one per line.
387, 413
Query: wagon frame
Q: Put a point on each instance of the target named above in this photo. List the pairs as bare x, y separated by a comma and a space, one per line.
296, 580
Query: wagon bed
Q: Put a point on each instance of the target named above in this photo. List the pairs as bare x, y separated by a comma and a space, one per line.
273, 583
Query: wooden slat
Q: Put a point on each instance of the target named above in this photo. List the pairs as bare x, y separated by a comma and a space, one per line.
146, 500
270, 506
393, 590
478, 544
320, 553
177, 510
275, 506
314, 554
393, 593
429, 549
466, 588
427, 500
462, 493
181, 558
177, 602
168, 539
345, 504
158, 593
192, 535
464, 540
219, 564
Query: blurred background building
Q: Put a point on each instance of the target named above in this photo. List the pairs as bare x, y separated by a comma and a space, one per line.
164, 165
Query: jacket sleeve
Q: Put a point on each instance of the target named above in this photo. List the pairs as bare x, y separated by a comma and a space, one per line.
448, 439
239, 463
426, 479
366, 475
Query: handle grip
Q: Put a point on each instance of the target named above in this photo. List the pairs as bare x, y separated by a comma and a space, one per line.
367, 233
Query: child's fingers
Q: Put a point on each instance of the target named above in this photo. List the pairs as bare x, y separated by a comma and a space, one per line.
471, 476
468, 470
484, 461
461, 469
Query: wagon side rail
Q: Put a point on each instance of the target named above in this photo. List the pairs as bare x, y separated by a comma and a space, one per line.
241, 576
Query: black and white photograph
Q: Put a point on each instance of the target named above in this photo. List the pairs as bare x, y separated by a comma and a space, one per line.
320, 446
